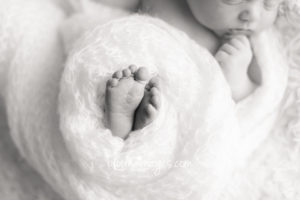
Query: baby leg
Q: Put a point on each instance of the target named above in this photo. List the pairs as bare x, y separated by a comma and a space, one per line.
124, 92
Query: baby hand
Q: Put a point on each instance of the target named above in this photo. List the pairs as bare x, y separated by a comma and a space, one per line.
235, 55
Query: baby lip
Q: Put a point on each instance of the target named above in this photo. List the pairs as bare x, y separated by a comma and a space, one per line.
238, 31
234, 32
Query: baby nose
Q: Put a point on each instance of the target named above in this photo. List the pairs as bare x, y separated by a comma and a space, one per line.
249, 15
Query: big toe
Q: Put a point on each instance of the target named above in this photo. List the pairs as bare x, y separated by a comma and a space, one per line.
142, 74
154, 82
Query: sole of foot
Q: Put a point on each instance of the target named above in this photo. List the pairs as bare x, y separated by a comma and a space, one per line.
149, 107
124, 92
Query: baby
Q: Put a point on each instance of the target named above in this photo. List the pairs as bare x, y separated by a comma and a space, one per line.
224, 27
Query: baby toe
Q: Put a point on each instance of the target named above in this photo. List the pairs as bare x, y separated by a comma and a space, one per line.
150, 110
113, 82
141, 74
126, 72
133, 68
155, 101
154, 82
118, 74
154, 91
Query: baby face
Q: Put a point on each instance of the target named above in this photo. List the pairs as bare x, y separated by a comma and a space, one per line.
231, 17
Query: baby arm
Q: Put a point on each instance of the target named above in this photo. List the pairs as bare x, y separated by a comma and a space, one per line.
234, 58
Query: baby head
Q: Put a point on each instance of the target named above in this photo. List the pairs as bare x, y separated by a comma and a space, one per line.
230, 17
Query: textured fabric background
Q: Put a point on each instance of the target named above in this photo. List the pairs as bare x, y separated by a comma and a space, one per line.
18, 180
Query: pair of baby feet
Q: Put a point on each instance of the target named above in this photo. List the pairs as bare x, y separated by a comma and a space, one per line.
132, 100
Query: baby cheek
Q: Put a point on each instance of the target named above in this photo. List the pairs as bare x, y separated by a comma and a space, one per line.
268, 21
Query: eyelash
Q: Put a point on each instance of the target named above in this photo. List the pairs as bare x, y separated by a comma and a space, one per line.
233, 2
268, 4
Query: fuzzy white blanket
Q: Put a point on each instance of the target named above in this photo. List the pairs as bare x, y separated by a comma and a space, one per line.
202, 146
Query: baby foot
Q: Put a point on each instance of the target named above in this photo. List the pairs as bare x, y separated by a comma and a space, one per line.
124, 92
149, 107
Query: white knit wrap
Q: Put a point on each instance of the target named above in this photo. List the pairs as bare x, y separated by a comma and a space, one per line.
201, 146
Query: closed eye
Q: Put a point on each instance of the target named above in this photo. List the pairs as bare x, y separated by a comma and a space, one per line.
233, 2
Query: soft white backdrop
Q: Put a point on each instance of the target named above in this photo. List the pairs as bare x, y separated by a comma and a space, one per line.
18, 180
